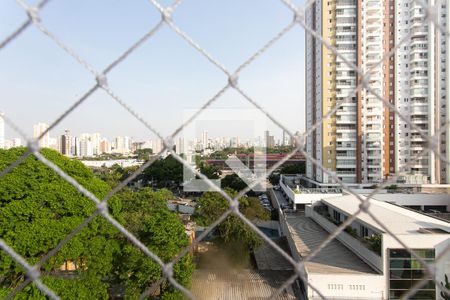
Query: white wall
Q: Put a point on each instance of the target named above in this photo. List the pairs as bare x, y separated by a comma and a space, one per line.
347, 286
305, 198
124, 163
417, 199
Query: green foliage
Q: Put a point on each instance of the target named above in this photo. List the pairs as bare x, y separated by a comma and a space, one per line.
210, 171
74, 289
146, 215
212, 205
253, 210
38, 209
143, 154
164, 172
298, 168
224, 153
111, 176
234, 182
392, 187
274, 178
375, 241
352, 231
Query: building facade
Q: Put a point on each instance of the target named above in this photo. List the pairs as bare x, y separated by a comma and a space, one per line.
40, 129
65, 146
365, 141
364, 261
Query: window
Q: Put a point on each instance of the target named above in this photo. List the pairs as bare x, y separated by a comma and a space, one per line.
405, 271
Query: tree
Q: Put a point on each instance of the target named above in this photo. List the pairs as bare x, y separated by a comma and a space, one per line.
212, 205
164, 172
147, 216
210, 171
114, 174
143, 154
38, 209
234, 182
298, 168
274, 178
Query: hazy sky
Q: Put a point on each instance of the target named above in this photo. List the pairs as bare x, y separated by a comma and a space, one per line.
161, 79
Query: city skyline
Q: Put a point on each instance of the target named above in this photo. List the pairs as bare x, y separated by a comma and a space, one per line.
162, 78
95, 144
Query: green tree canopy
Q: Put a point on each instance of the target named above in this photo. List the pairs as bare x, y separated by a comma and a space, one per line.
164, 172
147, 216
143, 154
298, 168
212, 205
234, 182
38, 209
210, 171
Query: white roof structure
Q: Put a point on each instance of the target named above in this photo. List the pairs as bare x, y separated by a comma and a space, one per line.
398, 219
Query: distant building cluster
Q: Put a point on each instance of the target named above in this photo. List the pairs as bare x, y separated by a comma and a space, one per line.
204, 143
90, 144
7, 143
94, 144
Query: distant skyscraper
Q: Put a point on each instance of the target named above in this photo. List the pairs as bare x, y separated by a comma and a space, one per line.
38, 130
126, 145
75, 146
65, 143
269, 139
179, 146
95, 139
2, 131
204, 139
105, 146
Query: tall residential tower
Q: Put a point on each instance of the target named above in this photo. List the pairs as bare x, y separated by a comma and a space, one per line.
365, 141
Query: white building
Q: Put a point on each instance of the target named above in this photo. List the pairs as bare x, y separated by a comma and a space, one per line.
38, 130
12, 143
205, 140
179, 146
365, 262
426, 197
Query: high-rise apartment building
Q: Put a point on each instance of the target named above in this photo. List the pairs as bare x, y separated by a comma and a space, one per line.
205, 140
65, 146
38, 130
269, 139
365, 141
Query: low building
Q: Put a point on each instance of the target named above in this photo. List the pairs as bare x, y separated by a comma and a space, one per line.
298, 196
434, 200
364, 261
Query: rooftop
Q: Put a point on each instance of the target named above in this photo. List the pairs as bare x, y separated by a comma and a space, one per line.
335, 258
396, 218
239, 284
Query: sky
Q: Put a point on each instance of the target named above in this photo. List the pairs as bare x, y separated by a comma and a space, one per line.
162, 79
